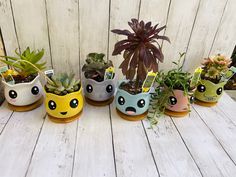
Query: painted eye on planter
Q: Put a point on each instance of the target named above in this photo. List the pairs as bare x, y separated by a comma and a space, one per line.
35, 90
109, 88
121, 100
74, 103
191, 99
172, 100
201, 88
89, 88
219, 91
12, 94
141, 103
52, 105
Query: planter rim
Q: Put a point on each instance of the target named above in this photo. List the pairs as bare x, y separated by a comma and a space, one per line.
212, 83
20, 84
100, 83
60, 96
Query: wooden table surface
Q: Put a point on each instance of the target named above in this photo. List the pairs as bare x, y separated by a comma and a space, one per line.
102, 144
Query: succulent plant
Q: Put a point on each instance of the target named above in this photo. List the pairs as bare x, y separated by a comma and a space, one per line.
141, 49
95, 66
27, 62
214, 67
62, 84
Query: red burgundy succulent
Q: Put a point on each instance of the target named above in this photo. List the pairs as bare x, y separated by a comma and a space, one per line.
141, 49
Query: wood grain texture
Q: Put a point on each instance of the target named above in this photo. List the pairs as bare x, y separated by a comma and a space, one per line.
5, 113
171, 155
18, 140
8, 27
179, 26
31, 25
63, 20
205, 27
120, 13
132, 152
204, 147
53, 155
225, 35
94, 152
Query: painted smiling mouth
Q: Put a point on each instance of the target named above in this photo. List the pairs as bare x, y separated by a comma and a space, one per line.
63, 113
130, 110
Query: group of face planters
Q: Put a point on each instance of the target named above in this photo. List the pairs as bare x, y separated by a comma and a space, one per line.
25, 82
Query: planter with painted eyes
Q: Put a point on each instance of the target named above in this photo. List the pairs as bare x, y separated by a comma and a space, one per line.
66, 108
209, 92
132, 107
179, 102
1, 92
99, 93
23, 94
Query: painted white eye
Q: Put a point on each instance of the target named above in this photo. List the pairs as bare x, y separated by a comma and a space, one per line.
12, 94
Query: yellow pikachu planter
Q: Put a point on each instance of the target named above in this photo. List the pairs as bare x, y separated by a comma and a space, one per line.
66, 108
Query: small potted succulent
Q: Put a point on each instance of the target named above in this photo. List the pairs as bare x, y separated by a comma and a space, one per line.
211, 85
174, 93
99, 84
141, 53
64, 100
22, 87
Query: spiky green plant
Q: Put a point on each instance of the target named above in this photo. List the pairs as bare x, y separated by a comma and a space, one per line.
63, 84
26, 63
95, 66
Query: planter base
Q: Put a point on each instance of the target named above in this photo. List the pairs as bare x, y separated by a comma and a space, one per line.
206, 104
132, 118
99, 103
64, 120
175, 114
26, 108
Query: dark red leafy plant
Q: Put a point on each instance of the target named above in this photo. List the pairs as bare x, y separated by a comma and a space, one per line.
141, 49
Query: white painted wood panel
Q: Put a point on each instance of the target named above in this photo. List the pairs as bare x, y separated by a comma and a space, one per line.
94, 152
1, 128
121, 12
18, 140
225, 39
179, 27
63, 20
171, 155
5, 113
204, 147
132, 152
31, 25
7, 27
53, 155
205, 27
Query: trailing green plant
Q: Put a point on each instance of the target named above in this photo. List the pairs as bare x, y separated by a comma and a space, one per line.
214, 67
62, 84
27, 63
141, 49
95, 66
166, 83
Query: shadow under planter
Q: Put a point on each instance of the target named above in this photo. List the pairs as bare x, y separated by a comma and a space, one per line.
132, 107
65, 108
99, 93
24, 96
208, 93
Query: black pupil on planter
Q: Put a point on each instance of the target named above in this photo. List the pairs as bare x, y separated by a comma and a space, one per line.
89, 88
12, 94
74, 103
201, 88
172, 100
35, 90
191, 99
219, 91
121, 100
109, 88
52, 105
141, 103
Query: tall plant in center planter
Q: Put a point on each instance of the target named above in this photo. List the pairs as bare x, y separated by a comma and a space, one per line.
141, 52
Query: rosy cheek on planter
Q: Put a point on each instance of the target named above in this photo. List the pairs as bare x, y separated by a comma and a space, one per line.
178, 102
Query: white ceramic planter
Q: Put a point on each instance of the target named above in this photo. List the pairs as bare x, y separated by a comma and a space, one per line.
1, 92
23, 94
99, 91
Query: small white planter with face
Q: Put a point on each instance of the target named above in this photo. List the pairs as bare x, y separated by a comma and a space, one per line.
23, 94
99, 91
